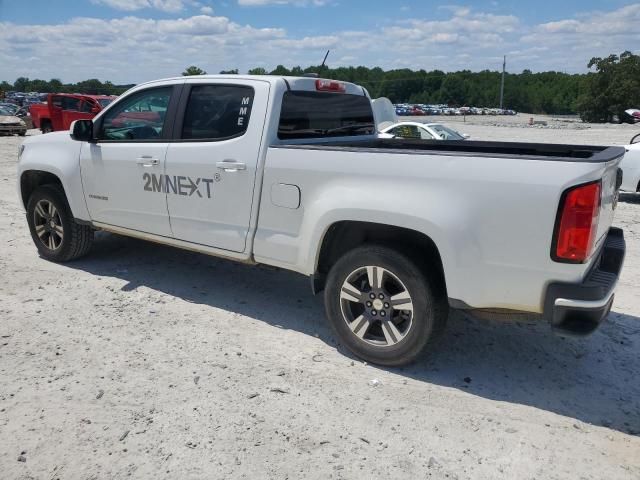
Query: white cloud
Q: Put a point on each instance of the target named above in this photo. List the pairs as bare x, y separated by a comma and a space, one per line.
588, 35
133, 48
170, 6
206, 10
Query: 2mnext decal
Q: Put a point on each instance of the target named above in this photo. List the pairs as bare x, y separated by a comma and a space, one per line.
178, 185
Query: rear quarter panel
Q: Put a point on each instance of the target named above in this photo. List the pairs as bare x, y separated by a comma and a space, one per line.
492, 219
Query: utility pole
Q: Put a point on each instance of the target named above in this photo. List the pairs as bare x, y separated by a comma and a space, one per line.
504, 68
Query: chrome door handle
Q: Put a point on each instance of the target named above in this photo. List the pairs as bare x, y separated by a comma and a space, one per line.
231, 165
147, 161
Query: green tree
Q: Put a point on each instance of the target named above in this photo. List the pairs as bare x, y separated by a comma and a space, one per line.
229, 72
257, 71
5, 86
193, 70
280, 70
55, 85
613, 88
92, 86
21, 84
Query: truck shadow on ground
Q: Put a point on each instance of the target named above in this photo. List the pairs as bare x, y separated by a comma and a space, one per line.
593, 380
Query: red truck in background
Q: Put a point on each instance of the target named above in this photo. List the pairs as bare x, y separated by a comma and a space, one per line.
63, 108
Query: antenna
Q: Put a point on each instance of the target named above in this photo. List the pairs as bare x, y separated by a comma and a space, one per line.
325, 59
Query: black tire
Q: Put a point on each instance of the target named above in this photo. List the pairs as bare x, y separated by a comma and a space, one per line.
22, 134
46, 127
76, 239
420, 279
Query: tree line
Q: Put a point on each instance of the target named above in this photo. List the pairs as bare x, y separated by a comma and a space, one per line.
598, 96
92, 86
548, 92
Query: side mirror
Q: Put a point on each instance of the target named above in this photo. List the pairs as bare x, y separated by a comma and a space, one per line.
82, 130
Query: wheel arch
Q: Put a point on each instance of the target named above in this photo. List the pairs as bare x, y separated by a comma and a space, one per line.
30, 180
345, 235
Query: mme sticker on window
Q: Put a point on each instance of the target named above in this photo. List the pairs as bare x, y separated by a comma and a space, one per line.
245, 110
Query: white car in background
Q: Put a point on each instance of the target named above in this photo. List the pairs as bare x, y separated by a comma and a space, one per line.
423, 131
630, 166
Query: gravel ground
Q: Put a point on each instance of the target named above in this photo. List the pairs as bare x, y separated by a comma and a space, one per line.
149, 362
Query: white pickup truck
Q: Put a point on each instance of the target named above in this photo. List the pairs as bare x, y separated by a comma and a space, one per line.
290, 172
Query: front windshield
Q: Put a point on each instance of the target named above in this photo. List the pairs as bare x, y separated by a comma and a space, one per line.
446, 133
6, 111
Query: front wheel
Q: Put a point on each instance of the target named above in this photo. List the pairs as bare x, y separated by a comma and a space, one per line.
53, 229
383, 306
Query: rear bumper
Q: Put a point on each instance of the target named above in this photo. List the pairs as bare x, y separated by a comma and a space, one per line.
579, 309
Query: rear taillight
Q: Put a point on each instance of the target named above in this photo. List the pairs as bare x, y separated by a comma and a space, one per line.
577, 223
330, 86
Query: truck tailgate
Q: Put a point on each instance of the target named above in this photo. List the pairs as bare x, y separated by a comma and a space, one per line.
610, 187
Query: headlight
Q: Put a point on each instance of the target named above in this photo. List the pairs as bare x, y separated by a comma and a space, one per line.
22, 123
20, 150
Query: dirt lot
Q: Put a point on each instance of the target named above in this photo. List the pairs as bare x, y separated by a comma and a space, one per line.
148, 362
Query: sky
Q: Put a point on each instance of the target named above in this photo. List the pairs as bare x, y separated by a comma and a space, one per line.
130, 41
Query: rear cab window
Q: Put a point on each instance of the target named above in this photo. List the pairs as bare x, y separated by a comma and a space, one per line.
308, 114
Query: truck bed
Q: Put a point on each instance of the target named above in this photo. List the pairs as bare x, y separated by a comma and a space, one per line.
532, 151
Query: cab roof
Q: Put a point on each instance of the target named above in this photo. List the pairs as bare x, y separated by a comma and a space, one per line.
293, 83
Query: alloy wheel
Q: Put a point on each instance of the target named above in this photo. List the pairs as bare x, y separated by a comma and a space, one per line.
48, 224
377, 306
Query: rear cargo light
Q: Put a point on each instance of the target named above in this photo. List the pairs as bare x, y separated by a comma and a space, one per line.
330, 86
577, 223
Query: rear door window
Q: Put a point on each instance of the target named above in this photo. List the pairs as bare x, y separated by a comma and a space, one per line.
324, 114
217, 112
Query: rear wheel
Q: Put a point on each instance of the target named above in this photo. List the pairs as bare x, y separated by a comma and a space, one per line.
53, 229
383, 306
46, 127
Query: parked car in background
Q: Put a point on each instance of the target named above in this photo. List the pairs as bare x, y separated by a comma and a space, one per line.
61, 109
630, 166
16, 110
11, 107
634, 115
424, 131
10, 124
